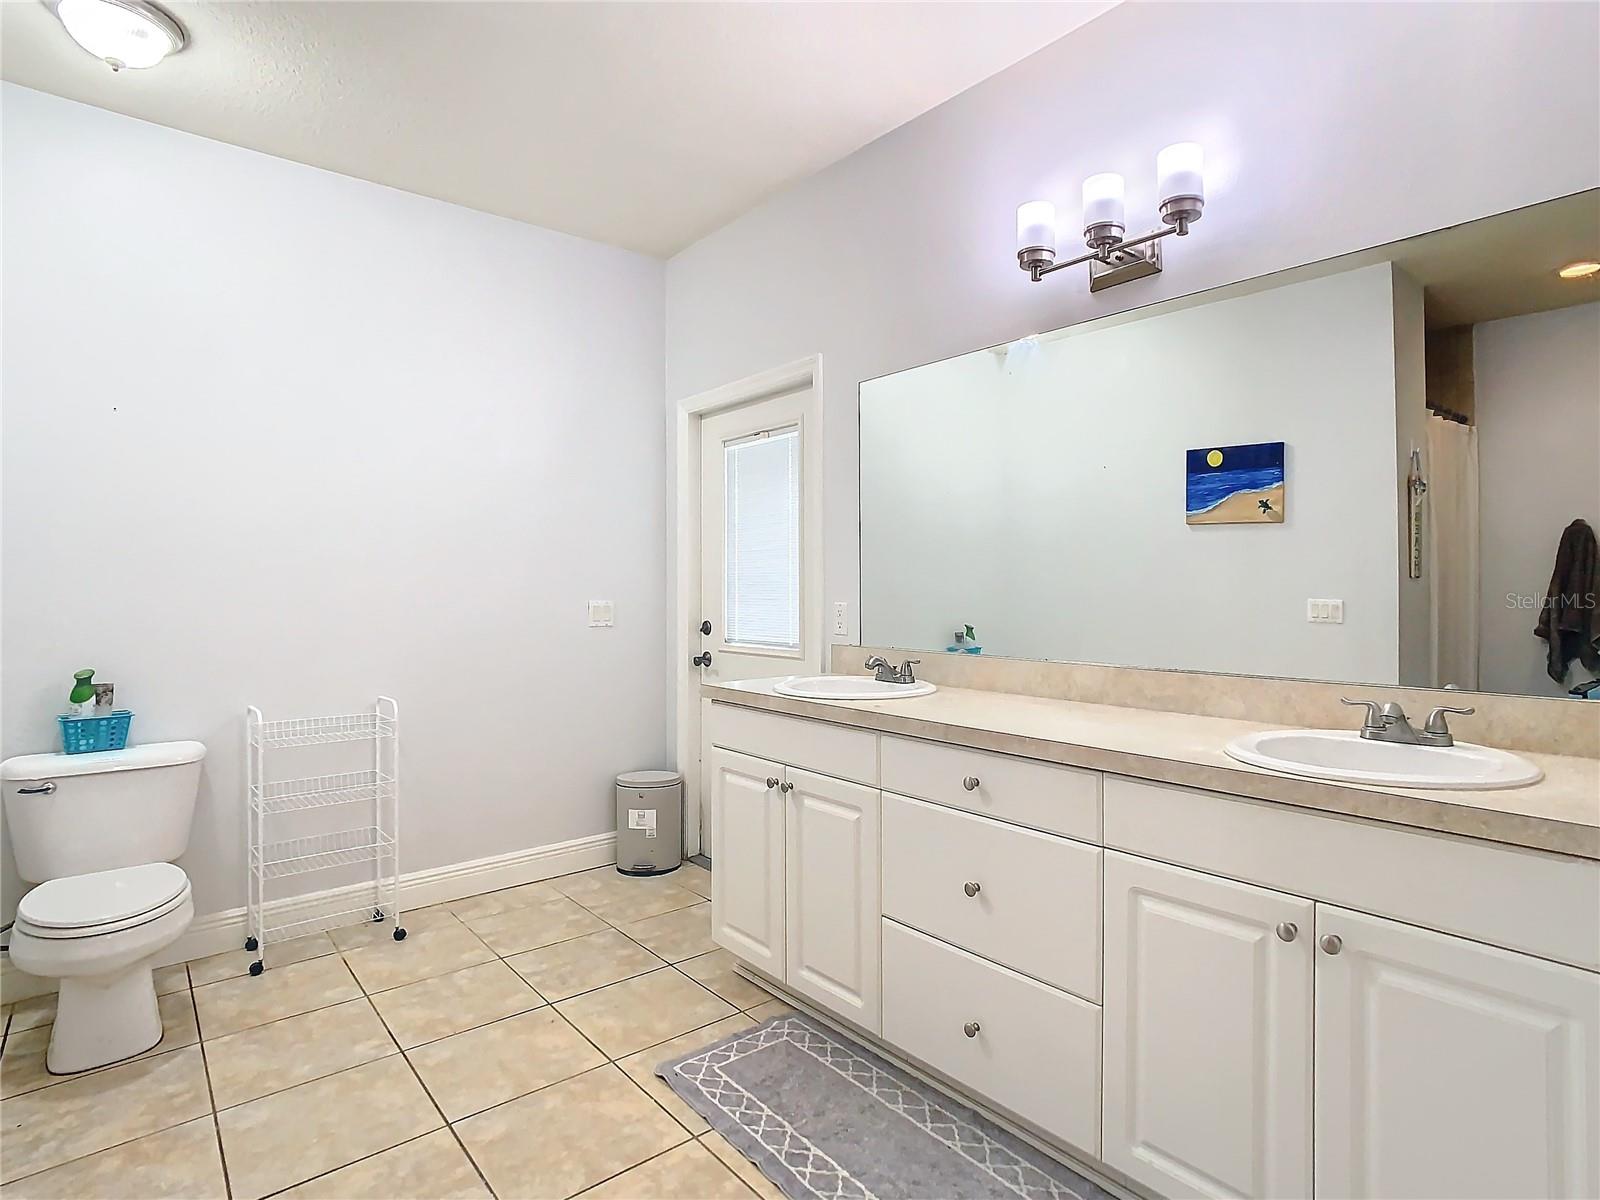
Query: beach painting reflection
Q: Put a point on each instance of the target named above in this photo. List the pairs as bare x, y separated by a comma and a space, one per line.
1235, 485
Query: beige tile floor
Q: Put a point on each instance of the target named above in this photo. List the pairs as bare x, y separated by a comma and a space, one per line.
506, 1048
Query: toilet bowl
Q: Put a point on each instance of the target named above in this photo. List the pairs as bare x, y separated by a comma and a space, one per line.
98, 832
99, 934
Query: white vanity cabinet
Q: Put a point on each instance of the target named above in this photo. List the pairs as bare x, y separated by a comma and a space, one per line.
1207, 994
1208, 1022
1449, 1068
796, 855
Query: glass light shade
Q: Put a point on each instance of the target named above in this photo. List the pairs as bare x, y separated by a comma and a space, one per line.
1102, 201
1036, 226
1579, 270
1181, 172
125, 33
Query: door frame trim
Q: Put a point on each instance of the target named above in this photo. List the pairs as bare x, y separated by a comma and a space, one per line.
804, 372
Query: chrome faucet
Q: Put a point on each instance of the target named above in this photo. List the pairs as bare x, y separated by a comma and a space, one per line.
1387, 723
887, 672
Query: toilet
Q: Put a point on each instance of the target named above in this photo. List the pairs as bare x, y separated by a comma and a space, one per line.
98, 833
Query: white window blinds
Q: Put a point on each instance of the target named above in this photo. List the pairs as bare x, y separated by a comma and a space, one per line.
761, 545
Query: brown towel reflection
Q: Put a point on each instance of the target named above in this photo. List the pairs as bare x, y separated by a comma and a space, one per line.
1567, 620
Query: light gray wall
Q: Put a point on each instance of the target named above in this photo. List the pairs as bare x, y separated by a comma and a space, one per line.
274, 436
1039, 493
1538, 415
1329, 127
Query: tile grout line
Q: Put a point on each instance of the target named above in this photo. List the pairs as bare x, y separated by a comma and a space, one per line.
211, 1093
432, 1099
289, 1187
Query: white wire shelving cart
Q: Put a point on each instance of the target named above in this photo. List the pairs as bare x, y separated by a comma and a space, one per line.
374, 793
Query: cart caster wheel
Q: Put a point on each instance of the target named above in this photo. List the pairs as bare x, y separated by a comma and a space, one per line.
250, 943
399, 935
257, 967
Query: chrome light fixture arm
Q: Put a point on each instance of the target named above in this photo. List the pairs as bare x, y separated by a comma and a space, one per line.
1112, 257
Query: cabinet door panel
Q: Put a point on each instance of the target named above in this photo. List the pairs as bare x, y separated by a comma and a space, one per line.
834, 926
1449, 1068
1207, 1033
747, 860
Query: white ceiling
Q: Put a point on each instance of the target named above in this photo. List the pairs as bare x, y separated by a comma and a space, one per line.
646, 125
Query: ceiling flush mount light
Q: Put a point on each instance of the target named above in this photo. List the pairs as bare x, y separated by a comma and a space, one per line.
121, 33
1114, 257
1579, 270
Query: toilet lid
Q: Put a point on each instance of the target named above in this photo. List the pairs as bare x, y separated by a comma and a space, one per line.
79, 901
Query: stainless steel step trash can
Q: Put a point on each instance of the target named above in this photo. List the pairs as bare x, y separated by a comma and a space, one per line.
649, 822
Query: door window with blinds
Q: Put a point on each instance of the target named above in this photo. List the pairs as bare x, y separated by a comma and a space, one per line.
761, 545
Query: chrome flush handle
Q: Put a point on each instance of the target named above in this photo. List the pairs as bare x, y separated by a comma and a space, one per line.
38, 789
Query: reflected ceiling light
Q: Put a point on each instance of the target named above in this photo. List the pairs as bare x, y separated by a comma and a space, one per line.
1579, 270
1113, 257
121, 33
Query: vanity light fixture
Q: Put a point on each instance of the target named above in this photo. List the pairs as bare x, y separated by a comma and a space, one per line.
1113, 257
1579, 270
121, 33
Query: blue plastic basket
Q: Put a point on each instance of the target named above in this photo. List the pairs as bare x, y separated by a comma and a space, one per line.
84, 735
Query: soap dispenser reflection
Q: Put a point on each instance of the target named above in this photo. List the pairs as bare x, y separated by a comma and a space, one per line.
966, 642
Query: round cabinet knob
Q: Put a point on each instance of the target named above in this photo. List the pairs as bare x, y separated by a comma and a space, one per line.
971, 1028
972, 889
970, 783
1288, 930
786, 788
1331, 943
772, 781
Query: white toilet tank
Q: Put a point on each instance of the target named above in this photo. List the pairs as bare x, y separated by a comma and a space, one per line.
70, 814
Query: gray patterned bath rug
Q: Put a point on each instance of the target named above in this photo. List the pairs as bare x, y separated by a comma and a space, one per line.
823, 1117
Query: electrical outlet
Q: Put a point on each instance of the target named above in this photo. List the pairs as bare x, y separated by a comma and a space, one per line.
1325, 612
602, 614
841, 618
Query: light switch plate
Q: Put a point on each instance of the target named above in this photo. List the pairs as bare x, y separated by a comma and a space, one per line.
602, 614
841, 618
1325, 612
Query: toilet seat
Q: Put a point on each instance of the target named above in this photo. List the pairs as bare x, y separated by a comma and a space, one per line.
102, 902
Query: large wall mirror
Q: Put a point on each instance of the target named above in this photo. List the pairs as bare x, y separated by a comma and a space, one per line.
1362, 470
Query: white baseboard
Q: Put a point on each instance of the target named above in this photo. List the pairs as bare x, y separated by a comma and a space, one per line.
219, 931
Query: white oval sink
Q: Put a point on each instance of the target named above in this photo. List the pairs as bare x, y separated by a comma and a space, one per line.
849, 687
1344, 756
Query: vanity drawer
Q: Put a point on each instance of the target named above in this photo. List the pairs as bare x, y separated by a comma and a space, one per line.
1035, 1051
815, 745
1037, 907
1062, 800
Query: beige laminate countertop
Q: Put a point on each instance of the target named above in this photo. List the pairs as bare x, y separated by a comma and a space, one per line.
1560, 813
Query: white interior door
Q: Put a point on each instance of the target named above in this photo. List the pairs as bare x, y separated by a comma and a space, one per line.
753, 591
760, 607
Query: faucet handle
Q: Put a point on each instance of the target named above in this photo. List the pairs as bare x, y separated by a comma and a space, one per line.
1374, 718
1437, 724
